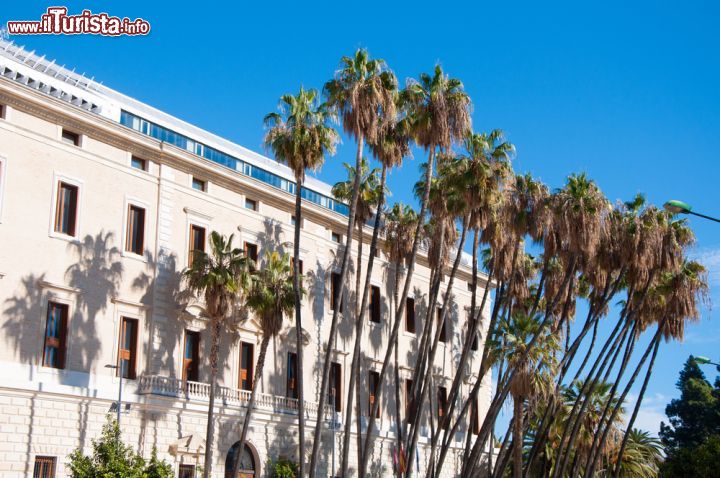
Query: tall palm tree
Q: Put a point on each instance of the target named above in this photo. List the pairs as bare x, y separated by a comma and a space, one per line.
363, 94
535, 371
217, 278
642, 456
367, 203
438, 114
271, 297
300, 137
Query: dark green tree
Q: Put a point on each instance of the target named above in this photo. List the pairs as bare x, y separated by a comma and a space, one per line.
692, 437
112, 458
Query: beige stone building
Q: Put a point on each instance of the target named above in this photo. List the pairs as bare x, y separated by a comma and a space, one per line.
101, 199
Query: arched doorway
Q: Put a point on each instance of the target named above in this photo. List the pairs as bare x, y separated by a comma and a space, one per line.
248, 462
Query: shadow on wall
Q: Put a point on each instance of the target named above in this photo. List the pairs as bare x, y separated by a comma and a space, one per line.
97, 273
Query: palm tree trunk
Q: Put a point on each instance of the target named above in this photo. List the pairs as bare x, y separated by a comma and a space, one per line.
298, 326
436, 341
503, 454
210, 431
621, 400
518, 437
398, 411
408, 278
251, 405
616, 473
497, 402
359, 322
317, 437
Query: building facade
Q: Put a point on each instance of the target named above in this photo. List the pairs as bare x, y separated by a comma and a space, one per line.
102, 201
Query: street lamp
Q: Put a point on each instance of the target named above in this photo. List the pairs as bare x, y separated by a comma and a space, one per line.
706, 361
119, 402
678, 207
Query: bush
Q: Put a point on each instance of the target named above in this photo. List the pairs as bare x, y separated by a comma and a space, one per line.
284, 469
112, 458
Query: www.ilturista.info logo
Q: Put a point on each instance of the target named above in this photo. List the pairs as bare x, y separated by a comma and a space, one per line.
57, 22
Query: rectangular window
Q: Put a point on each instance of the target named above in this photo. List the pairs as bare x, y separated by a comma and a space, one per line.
374, 388
335, 291
69, 137
191, 356
55, 335
251, 204
292, 266
247, 355
138, 163
127, 353
335, 237
474, 344
409, 409
442, 407
251, 251
475, 417
335, 390
443, 330
469, 286
135, 240
292, 220
186, 471
199, 184
292, 371
66, 209
375, 304
3, 111
410, 315
44, 467
197, 242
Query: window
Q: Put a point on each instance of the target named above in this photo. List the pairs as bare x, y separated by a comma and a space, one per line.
135, 240
69, 137
186, 471
300, 263
197, 242
127, 353
410, 315
138, 163
293, 221
409, 408
335, 291
375, 304
374, 388
55, 335
292, 371
247, 354
475, 417
66, 209
44, 467
3, 111
335, 390
251, 251
474, 344
191, 356
199, 184
251, 204
470, 286
442, 407
335, 237
443, 331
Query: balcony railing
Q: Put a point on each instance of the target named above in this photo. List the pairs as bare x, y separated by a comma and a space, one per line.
175, 387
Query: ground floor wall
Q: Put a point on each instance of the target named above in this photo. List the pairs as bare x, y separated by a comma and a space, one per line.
46, 424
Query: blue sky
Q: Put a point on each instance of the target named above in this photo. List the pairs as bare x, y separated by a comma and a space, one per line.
627, 93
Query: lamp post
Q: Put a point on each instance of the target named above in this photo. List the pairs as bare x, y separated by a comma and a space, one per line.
706, 361
119, 402
678, 207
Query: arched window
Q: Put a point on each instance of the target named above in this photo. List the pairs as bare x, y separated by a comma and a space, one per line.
247, 462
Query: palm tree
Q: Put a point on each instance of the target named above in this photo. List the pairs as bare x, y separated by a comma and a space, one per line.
367, 201
438, 113
218, 278
363, 94
642, 456
535, 370
300, 137
271, 297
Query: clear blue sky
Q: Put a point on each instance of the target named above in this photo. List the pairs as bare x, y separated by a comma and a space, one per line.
627, 93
